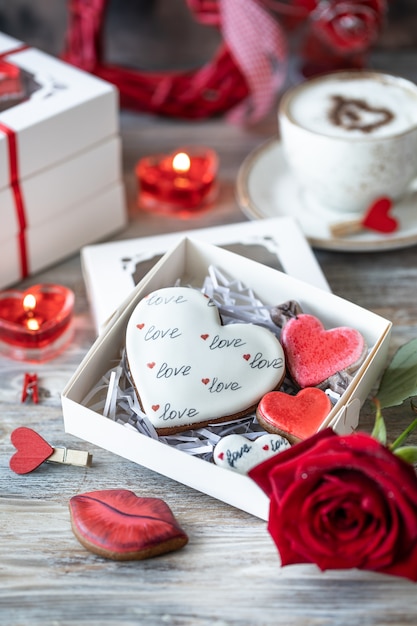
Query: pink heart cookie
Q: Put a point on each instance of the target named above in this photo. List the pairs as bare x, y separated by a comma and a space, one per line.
240, 454
188, 369
294, 417
313, 354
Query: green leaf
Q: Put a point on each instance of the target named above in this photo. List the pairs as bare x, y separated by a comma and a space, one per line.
379, 431
407, 453
399, 380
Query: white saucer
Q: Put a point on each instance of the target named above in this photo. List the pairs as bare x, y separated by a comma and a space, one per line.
266, 188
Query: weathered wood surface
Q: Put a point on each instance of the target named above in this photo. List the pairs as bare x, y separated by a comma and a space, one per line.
229, 573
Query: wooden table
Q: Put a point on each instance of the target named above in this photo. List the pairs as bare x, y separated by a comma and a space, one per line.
230, 571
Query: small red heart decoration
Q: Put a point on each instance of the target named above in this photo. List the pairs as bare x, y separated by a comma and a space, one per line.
205, 336
294, 417
140, 326
377, 217
151, 365
32, 450
205, 381
313, 354
155, 407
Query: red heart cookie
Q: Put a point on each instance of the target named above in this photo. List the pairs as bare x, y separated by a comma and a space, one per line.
293, 417
32, 450
118, 525
313, 354
377, 218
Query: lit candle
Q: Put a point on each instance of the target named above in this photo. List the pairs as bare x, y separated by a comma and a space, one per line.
178, 183
35, 325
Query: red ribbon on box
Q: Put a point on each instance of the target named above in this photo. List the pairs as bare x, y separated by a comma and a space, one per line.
14, 182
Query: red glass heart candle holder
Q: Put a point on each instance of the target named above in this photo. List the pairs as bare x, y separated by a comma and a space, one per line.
177, 183
35, 325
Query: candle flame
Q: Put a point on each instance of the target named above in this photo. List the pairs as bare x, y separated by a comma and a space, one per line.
181, 163
29, 302
32, 324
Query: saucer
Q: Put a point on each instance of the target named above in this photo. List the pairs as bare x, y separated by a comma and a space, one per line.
266, 188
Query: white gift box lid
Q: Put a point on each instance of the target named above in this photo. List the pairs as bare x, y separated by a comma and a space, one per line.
61, 187
189, 261
92, 219
70, 111
112, 270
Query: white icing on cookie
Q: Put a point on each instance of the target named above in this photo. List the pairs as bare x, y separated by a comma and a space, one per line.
240, 454
189, 369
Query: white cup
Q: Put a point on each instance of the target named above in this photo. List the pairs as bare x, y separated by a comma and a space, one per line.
350, 137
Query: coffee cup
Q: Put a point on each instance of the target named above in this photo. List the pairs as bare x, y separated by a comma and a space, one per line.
350, 137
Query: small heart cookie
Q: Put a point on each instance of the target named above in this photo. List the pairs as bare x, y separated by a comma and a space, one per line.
188, 369
240, 454
313, 354
294, 417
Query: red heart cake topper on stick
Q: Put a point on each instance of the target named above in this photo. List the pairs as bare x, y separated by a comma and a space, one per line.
376, 218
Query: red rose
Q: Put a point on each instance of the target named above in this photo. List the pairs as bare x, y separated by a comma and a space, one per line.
342, 502
348, 27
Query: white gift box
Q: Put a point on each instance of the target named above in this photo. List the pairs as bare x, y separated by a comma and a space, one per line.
59, 148
189, 261
112, 270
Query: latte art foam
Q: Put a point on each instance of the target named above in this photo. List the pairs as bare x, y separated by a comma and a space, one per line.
361, 107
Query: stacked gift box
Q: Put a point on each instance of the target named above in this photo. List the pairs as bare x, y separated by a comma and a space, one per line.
60, 160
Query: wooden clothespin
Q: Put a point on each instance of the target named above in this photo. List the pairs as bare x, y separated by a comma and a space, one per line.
33, 450
376, 218
30, 388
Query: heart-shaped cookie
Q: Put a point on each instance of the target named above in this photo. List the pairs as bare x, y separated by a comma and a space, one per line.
294, 417
313, 354
32, 450
190, 370
240, 454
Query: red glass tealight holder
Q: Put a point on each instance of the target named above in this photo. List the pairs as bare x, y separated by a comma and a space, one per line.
35, 325
179, 183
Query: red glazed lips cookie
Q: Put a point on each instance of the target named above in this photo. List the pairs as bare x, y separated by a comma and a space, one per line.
313, 354
294, 417
188, 369
118, 525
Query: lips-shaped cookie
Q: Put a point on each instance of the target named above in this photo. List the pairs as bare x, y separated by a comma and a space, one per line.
293, 417
313, 354
188, 369
240, 454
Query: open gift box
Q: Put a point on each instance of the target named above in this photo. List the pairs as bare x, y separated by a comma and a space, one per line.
59, 149
189, 261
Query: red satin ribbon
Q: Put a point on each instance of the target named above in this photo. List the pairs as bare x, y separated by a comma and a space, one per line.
14, 181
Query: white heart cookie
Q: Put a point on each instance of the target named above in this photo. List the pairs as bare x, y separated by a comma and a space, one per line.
188, 369
240, 454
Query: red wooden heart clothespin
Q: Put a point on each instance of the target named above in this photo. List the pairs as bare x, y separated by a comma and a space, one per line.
30, 388
376, 218
33, 450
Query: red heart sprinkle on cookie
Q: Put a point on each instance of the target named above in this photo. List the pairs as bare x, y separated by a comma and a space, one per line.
140, 326
313, 354
155, 407
204, 337
377, 217
294, 417
32, 450
246, 357
151, 365
205, 381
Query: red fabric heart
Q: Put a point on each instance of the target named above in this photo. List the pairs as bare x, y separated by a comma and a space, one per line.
119, 525
377, 218
294, 417
313, 354
32, 450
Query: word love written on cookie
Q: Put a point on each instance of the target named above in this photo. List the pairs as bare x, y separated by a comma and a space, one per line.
189, 369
